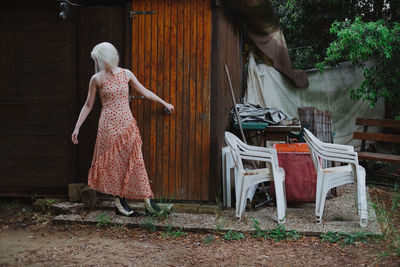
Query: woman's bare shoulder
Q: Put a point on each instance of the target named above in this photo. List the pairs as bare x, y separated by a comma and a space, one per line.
96, 78
128, 72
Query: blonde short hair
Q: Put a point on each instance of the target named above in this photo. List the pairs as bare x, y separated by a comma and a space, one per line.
105, 53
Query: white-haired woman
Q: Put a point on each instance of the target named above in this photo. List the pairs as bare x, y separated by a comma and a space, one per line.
117, 167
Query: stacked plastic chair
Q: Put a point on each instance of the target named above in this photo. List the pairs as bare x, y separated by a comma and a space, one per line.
328, 178
248, 177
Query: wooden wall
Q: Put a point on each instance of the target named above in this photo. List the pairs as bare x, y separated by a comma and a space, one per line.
45, 67
226, 50
38, 79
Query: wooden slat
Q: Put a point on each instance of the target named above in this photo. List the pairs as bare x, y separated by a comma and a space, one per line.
166, 93
192, 100
378, 122
146, 81
160, 91
377, 137
151, 166
33, 179
140, 65
199, 98
206, 101
378, 157
185, 100
172, 118
179, 102
135, 53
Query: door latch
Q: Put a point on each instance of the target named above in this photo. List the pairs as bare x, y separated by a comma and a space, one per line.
135, 97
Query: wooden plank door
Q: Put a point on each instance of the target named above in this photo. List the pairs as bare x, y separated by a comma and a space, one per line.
171, 54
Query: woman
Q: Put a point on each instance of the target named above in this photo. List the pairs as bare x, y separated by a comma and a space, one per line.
117, 167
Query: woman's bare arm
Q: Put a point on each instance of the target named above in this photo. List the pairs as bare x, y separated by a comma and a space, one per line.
87, 107
134, 83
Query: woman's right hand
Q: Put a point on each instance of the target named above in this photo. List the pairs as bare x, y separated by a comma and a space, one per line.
74, 136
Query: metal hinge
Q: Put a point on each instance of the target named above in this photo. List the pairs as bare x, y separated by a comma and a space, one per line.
132, 13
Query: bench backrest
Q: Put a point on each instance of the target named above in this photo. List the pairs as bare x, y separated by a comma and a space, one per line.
383, 137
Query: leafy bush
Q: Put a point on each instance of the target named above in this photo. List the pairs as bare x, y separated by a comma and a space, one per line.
347, 238
386, 216
232, 235
173, 234
103, 219
279, 233
359, 41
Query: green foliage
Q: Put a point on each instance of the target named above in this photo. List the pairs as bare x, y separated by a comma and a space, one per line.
232, 235
220, 226
103, 219
385, 216
173, 234
149, 224
209, 239
279, 233
165, 209
306, 23
357, 41
347, 238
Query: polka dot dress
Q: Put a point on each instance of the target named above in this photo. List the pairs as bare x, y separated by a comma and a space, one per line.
117, 167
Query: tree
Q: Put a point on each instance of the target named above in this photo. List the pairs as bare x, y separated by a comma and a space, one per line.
357, 41
306, 23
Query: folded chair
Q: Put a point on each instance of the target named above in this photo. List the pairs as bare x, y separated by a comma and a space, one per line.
248, 177
328, 178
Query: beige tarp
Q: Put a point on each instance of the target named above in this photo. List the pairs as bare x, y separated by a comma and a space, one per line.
329, 91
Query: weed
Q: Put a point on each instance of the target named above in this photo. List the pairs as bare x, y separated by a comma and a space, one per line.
279, 233
50, 201
173, 234
385, 216
220, 226
165, 208
209, 239
219, 207
232, 235
149, 224
103, 219
347, 238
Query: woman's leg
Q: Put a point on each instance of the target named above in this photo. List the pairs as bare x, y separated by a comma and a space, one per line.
151, 206
122, 208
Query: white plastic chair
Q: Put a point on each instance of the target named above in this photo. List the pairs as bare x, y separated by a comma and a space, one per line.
328, 178
227, 165
246, 178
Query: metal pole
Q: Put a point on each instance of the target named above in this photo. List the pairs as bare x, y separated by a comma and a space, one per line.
234, 104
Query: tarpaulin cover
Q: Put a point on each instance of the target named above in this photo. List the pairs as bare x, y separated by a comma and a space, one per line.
255, 113
329, 91
257, 18
300, 175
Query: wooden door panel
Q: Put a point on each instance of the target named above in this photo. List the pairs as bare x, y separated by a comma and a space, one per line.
171, 53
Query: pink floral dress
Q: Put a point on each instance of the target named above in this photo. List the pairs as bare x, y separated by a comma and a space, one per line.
117, 167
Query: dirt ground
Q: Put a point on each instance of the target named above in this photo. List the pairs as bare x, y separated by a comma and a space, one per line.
27, 238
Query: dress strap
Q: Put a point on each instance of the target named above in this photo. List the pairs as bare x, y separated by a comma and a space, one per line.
124, 71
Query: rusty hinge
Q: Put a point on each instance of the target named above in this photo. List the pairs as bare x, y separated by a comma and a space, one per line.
132, 13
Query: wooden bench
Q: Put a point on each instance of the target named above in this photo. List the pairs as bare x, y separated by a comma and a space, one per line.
380, 137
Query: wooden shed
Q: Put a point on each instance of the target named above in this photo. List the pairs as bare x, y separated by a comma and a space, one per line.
176, 48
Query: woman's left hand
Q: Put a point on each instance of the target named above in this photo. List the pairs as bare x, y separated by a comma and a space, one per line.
169, 107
